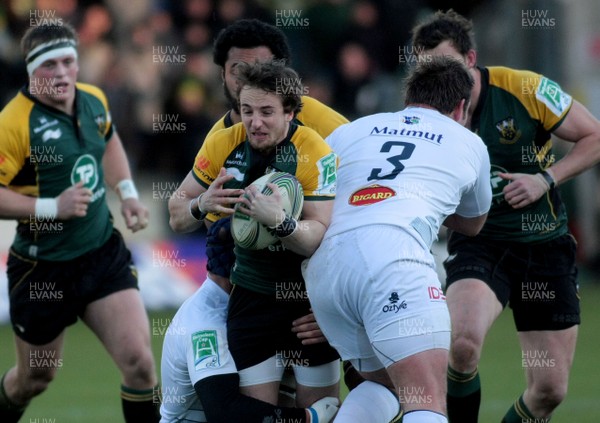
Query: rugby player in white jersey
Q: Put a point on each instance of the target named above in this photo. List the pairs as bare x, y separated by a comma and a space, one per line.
372, 282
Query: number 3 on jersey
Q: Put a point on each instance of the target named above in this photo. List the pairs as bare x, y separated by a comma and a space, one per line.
407, 150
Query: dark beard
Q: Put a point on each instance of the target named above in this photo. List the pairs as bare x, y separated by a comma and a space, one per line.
233, 103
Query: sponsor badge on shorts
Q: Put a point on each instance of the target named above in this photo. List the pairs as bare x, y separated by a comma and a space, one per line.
206, 349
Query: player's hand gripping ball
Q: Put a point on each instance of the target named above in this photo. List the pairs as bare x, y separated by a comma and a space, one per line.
253, 235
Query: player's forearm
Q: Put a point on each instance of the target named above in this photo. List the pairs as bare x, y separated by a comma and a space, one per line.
16, 206
584, 155
181, 218
306, 238
115, 162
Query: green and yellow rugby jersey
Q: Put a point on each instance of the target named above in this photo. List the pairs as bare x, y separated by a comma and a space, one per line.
314, 114
44, 151
302, 153
516, 113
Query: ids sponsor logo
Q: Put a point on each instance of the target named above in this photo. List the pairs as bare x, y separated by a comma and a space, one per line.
395, 305
44, 17
44, 291
370, 195
290, 19
412, 55
44, 359
168, 54
167, 123
537, 18
536, 359
290, 358
435, 294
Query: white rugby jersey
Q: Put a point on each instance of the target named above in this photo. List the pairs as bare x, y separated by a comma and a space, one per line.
195, 347
412, 169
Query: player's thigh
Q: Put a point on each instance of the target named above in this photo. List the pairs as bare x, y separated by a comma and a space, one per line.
547, 357
335, 280
261, 381
38, 361
314, 383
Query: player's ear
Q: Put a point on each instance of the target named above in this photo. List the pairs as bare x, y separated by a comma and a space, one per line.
459, 114
223, 75
471, 59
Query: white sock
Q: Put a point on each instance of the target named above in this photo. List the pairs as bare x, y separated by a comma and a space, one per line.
369, 402
423, 416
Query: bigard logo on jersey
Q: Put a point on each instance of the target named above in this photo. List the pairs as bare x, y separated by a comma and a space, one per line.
86, 170
370, 195
509, 133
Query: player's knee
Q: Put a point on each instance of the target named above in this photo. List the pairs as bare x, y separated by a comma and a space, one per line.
464, 353
36, 382
138, 366
550, 395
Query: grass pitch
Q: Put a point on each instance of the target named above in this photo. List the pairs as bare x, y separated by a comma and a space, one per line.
86, 388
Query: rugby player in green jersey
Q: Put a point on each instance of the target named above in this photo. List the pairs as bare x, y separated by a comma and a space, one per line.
58, 151
524, 256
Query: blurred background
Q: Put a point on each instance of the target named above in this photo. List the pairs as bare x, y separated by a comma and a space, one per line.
153, 59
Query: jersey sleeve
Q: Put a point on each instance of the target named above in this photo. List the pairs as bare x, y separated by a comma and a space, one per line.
213, 153
319, 117
477, 200
207, 354
317, 171
543, 98
14, 138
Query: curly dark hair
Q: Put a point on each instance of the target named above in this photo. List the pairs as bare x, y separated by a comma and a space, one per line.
273, 77
445, 26
250, 33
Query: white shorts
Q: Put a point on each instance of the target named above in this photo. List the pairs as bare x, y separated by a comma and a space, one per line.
376, 296
272, 370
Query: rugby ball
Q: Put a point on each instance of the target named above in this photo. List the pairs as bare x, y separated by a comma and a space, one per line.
252, 235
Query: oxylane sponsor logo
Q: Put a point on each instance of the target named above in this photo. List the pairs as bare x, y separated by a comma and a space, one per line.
370, 195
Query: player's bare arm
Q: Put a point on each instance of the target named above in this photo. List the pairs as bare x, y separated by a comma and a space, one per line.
72, 202
191, 199
268, 210
118, 176
579, 127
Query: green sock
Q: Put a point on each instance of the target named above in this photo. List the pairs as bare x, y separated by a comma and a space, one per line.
464, 396
519, 413
9, 411
141, 405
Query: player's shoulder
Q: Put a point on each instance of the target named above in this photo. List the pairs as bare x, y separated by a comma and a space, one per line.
16, 112
516, 81
227, 137
93, 91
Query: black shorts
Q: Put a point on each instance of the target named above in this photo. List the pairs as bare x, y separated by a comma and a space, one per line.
538, 281
47, 296
259, 326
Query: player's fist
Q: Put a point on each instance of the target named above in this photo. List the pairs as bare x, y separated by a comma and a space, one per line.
73, 202
324, 410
